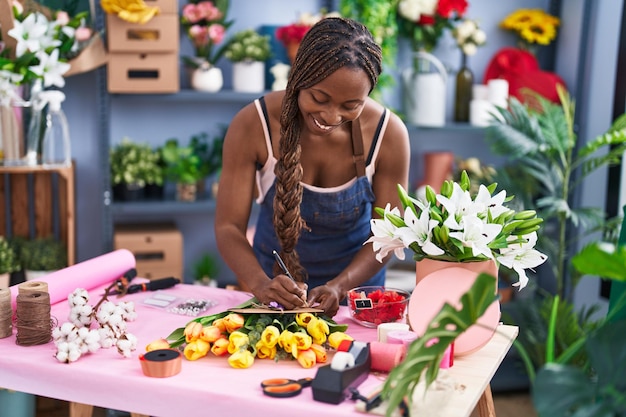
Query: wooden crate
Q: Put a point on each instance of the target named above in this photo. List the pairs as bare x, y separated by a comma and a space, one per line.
38, 202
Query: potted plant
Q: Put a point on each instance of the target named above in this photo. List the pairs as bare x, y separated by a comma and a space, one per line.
205, 270
136, 170
184, 167
248, 51
8, 262
546, 167
210, 154
40, 256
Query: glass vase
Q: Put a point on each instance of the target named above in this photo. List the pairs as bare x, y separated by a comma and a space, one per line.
463, 93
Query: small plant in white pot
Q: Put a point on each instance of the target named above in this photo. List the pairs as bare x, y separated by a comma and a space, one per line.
248, 51
41, 256
8, 262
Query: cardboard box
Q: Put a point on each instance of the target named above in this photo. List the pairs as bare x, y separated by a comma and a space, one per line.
160, 34
158, 249
143, 73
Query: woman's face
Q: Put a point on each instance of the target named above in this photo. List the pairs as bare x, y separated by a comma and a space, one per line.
337, 99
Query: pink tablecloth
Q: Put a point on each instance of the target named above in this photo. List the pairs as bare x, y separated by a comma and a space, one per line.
208, 386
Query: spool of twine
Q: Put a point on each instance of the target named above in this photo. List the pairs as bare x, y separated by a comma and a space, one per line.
386, 356
30, 286
6, 313
34, 324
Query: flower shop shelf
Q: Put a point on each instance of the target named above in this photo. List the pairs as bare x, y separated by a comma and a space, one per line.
450, 127
168, 207
223, 96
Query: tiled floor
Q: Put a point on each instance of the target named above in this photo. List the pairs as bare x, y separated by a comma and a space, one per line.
507, 405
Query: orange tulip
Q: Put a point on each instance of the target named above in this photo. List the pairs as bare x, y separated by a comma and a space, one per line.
220, 346
158, 344
306, 358
233, 322
192, 331
210, 333
320, 353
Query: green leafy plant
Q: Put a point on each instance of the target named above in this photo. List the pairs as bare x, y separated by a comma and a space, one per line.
9, 261
546, 167
42, 254
595, 387
209, 152
422, 359
248, 45
182, 164
206, 268
135, 163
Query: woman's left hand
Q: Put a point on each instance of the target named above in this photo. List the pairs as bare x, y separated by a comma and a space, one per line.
327, 298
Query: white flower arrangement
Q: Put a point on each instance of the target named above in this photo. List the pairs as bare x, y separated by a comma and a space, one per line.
456, 226
469, 36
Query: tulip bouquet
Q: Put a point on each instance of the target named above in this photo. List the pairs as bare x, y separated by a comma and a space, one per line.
456, 226
263, 333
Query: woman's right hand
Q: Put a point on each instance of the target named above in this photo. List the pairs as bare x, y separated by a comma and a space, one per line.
282, 290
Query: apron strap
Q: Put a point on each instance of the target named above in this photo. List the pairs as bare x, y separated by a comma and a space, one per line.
357, 148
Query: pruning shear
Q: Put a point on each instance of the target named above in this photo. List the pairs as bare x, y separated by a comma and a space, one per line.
284, 387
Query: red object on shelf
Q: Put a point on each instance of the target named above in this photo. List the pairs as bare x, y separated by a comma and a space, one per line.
521, 69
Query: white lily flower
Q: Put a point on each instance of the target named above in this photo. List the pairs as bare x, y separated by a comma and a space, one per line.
486, 202
29, 33
477, 235
420, 231
384, 240
522, 256
51, 69
459, 204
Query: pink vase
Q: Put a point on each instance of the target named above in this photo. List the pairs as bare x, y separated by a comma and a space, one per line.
440, 282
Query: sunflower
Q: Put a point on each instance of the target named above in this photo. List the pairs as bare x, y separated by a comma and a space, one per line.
533, 26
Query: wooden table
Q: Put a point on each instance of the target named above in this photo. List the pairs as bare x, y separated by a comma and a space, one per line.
108, 380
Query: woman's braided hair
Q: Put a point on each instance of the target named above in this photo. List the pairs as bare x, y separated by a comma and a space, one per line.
332, 43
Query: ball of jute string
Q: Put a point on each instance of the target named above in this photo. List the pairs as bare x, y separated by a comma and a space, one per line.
30, 286
34, 324
6, 313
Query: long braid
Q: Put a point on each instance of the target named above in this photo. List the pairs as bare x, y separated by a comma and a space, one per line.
332, 43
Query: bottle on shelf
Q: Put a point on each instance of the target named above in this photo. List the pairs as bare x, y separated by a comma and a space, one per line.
56, 149
464, 82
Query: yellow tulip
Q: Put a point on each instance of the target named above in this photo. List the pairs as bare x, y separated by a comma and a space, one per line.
220, 346
192, 331
336, 338
318, 329
158, 344
306, 358
320, 353
265, 352
210, 333
303, 319
285, 341
237, 340
233, 322
270, 336
301, 341
241, 359
196, 349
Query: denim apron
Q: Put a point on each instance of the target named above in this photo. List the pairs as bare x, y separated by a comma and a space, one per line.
339, 224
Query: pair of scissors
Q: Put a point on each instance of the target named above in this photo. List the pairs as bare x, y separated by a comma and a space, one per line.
284, 387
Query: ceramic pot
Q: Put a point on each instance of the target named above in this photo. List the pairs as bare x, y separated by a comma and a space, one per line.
207, 78
249, 76
438, 167
292, 50
186, 192
440, 282
424, 89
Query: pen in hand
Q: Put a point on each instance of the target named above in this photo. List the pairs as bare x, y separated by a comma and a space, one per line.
284, 268
282, 265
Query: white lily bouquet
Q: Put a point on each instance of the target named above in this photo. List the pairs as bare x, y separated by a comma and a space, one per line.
456, 226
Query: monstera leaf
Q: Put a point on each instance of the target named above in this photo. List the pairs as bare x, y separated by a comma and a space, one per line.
422, 360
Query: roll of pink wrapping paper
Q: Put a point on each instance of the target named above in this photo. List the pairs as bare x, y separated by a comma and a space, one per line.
89, 274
